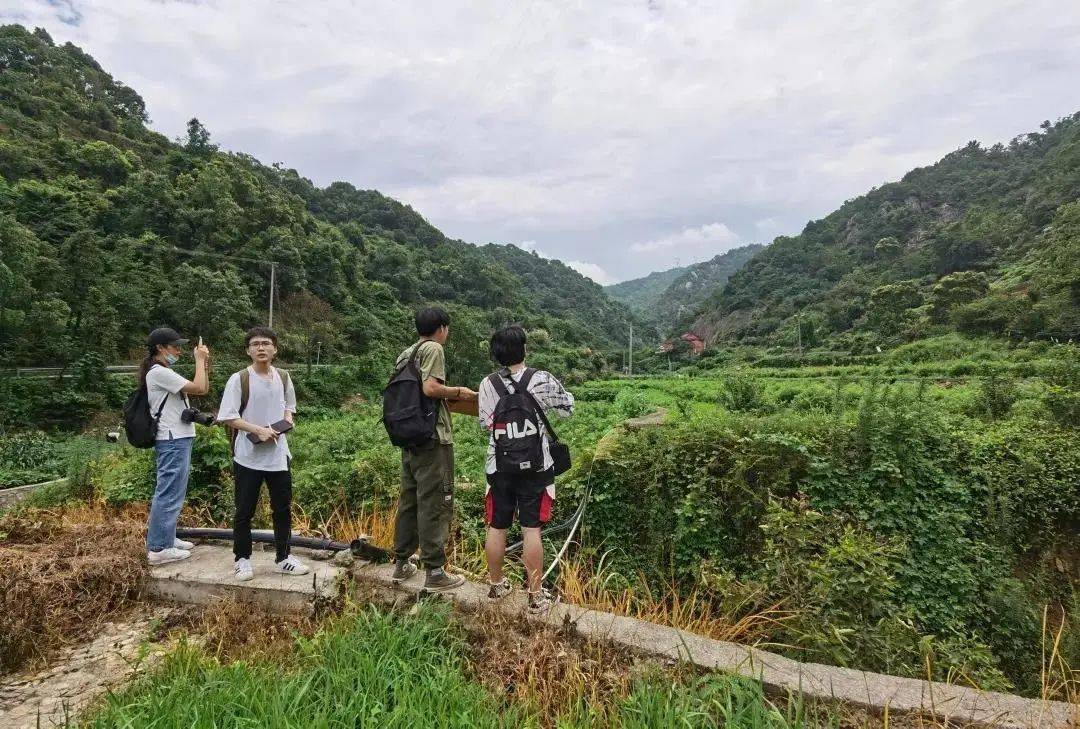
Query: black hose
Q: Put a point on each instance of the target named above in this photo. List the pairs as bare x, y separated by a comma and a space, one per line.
556, 528
359, 547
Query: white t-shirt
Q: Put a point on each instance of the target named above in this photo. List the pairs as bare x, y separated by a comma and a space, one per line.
162, 382
267, 402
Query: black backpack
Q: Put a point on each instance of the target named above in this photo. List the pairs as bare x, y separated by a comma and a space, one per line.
516, 427
408, 414
141, 427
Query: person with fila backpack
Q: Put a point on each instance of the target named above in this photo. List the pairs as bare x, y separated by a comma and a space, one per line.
523, 458
259, 407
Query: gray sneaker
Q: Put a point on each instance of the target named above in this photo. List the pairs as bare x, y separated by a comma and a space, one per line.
499, 590
541, 602
403, 571
439, 580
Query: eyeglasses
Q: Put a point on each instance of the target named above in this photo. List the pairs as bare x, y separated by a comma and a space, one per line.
260, 343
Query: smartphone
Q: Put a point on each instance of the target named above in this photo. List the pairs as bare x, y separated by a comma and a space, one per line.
281, 426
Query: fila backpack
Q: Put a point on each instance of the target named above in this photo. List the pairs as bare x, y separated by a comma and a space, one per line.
516, 427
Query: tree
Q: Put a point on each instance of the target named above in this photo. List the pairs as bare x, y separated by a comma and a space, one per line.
198, 139
955, 289
888, 248
307, 325
890, 304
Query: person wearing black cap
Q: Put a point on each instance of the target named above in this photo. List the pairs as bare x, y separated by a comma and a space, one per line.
167, 393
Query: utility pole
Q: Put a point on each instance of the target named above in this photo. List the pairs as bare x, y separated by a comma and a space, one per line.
318, 352
798, 323
273, 266
631, 349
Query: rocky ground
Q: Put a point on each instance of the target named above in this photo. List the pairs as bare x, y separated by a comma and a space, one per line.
74, 678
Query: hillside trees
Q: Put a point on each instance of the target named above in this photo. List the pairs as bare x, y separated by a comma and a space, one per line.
109, 230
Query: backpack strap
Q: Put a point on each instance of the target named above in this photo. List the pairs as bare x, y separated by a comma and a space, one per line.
497, 382
285, 380
245, 393
164, 400
539, 410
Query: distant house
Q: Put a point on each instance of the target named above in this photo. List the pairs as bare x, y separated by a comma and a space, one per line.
697, 344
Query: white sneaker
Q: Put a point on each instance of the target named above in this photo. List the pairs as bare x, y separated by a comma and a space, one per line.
181, 544
171, 554
242, 569
292, 566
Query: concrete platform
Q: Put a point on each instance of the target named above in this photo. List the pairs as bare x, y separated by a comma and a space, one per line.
207, 576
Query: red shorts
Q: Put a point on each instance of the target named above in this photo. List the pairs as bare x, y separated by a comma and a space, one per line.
530, 500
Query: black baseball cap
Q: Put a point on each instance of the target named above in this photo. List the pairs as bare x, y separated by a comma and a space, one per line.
165, 336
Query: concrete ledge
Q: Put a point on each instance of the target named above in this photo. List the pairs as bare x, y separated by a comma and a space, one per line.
18, 493
207, 576
653, 420
873, 692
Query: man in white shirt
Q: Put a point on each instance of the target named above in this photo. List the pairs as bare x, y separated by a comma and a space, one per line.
270, 400
528, 493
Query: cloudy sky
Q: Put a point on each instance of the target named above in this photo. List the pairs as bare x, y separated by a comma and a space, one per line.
622, 136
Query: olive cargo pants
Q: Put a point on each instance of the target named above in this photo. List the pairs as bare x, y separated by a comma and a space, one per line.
426, 503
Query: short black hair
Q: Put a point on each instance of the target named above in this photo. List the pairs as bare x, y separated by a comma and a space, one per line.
508, 345
260, 332
430, 319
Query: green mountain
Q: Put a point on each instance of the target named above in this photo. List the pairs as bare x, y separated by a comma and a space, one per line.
642, 294
108, 229
686, 293
985, 242
666, 298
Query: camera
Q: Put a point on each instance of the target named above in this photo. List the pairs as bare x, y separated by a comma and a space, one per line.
193, 415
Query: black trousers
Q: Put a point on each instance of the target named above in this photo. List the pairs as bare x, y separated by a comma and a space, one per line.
248, 485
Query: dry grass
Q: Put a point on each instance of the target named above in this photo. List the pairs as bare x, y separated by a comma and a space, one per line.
232, 630
64, 572
585, 583
529, 663
1059, 680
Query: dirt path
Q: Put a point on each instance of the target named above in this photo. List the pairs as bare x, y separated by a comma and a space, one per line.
53, 696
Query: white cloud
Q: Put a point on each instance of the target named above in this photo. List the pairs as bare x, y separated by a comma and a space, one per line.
715, 237
586, 126
593, 271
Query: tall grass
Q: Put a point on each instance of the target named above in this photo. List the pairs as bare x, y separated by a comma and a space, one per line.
377, 669
367, 669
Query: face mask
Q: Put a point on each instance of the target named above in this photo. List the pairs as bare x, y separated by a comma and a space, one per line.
171, 359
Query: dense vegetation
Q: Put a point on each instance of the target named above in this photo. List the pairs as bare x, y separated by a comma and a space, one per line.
986, 241
108, 229
908, 524
668, 298
910, 516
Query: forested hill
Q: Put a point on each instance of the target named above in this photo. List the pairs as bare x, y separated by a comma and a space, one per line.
986, 241
107, 229
641, 294
666, 298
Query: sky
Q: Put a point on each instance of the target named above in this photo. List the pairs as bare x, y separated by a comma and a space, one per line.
620, 137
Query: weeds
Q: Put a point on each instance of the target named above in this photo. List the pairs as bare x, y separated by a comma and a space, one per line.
62, 574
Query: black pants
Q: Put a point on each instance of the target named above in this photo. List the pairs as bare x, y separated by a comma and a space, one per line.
248, 484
